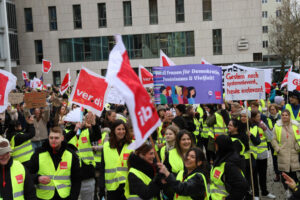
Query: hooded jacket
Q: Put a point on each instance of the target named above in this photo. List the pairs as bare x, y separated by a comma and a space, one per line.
6, 187
137, 186
235, 183
56, 158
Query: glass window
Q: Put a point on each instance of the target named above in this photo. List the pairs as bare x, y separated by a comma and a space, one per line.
217, 41
265, 44
56, 78
77, 17
207, 13
102, 15
278, 0
257, 57
153, 14
265, 14
103, 72
150, 45
179, 10
14, 46
265, 29
38, 51
11, 16
28, 19
127, 13
52, 18
278, 13
264, 1
32, 75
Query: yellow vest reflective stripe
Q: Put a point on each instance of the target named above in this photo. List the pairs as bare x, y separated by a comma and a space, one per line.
197, 124
252, 148
17, 175
175, 161
263, 146
23, 152
121, 117
116, 169
180, 178
85, 150
143, 177
217, 186
160, 138
201, 113
233, 139
220, 126
60, 177
104, 138
289, 108
270, 124
278, 131
205, 131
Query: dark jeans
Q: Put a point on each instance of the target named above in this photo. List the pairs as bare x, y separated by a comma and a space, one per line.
37, 144
293, 175
274, 158
261, 172
117, 194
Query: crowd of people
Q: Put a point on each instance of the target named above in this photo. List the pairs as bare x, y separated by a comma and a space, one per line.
200, 152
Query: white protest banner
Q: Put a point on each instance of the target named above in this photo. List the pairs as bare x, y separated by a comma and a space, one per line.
244, 85
74, 115
89, 91
293, 81
120, 75
7, 84
145, 76
113, 96
36, 83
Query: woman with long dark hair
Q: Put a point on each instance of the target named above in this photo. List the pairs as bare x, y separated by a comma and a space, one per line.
113, 166
191, 182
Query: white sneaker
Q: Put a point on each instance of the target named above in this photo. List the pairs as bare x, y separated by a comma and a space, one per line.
288, 193
256, 198
270, 196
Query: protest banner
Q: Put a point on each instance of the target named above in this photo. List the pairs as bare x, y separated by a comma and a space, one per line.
114, 96
244, 85
142, 112
188, 84
47, 65
238, 68
24, 75
293, 81
7, 83
89, 91
15, 98
145, 76
35, 99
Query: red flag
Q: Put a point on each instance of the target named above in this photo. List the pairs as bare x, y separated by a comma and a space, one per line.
66, 83
46, 66
165, 61
24, 75
89, 91
203, 62
121, 76
7, 83
285, 79
145, 76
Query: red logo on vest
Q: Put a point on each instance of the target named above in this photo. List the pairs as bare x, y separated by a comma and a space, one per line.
125, 156
298, 133
84, 140
19, 178
63, 165
217, 174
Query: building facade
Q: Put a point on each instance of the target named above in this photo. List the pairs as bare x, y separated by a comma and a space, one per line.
75, 33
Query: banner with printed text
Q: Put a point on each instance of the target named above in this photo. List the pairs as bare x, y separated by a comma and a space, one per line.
248, 85
188, 84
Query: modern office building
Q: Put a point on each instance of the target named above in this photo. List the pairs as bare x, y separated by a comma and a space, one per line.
75, 33
9, 53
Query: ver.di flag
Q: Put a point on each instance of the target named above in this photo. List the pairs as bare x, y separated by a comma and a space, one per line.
165, 61
89, 91
66, 83
24, 75
7, 84
121, 76
145, 76
293, 81
46, 66
203, 62
285, 79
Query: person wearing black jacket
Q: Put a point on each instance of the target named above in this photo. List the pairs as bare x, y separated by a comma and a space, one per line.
142, 162
7, 166
293, 186
192, 181
236, 185
15, 133
56, 148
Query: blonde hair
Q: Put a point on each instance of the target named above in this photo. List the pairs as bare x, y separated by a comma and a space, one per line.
173, 128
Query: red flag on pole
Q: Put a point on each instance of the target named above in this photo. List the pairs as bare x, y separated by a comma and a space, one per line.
286, 77
145, 76
165, 61
46, 66
89, 91
24, 75
66, 83
7, 83
204, 62
121, 76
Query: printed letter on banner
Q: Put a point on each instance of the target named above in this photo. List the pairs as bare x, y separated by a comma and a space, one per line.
121, 76
89, 91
